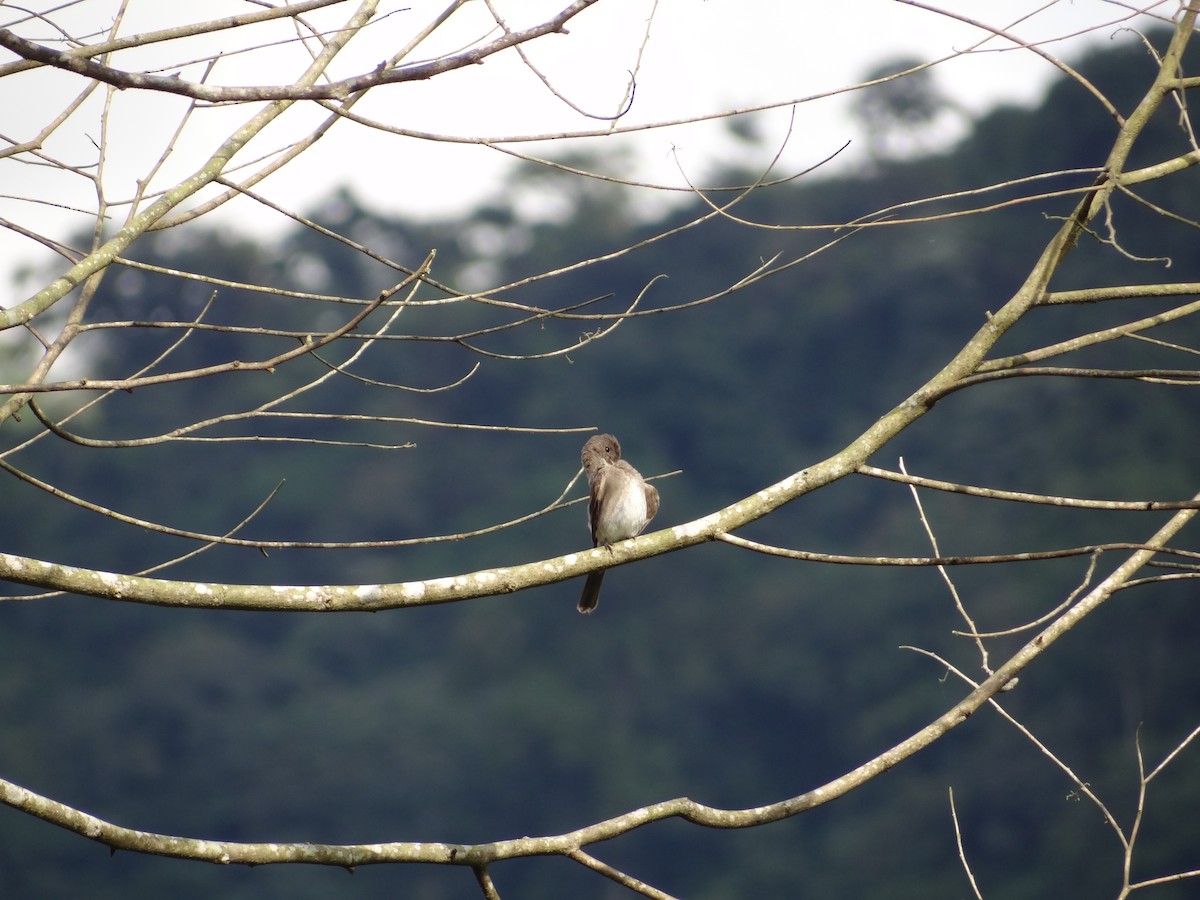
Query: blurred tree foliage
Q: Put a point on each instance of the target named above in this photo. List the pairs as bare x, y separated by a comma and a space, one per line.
731, 679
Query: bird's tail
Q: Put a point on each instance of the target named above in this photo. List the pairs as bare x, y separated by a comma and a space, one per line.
591, 592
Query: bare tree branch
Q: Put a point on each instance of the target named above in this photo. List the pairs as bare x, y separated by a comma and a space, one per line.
336, 90
481, 855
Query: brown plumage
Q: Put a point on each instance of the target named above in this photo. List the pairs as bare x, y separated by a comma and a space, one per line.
621, 504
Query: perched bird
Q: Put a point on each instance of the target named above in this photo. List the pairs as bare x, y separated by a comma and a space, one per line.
621, 504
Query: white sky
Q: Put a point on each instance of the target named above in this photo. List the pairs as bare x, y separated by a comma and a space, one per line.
702, 56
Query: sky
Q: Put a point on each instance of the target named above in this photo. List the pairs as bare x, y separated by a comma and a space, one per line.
691, 58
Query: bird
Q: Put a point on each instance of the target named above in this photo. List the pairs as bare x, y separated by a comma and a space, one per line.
620, 506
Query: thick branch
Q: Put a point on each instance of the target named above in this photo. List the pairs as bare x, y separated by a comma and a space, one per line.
173, 34
335, 90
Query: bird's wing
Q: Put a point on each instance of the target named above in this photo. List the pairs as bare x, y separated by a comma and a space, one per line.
651, 502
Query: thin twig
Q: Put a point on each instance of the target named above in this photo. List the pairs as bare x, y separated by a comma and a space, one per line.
841, 559
962, 853
625, 880
958, 604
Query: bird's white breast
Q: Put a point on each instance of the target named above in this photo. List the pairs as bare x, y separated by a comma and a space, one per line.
626, 516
